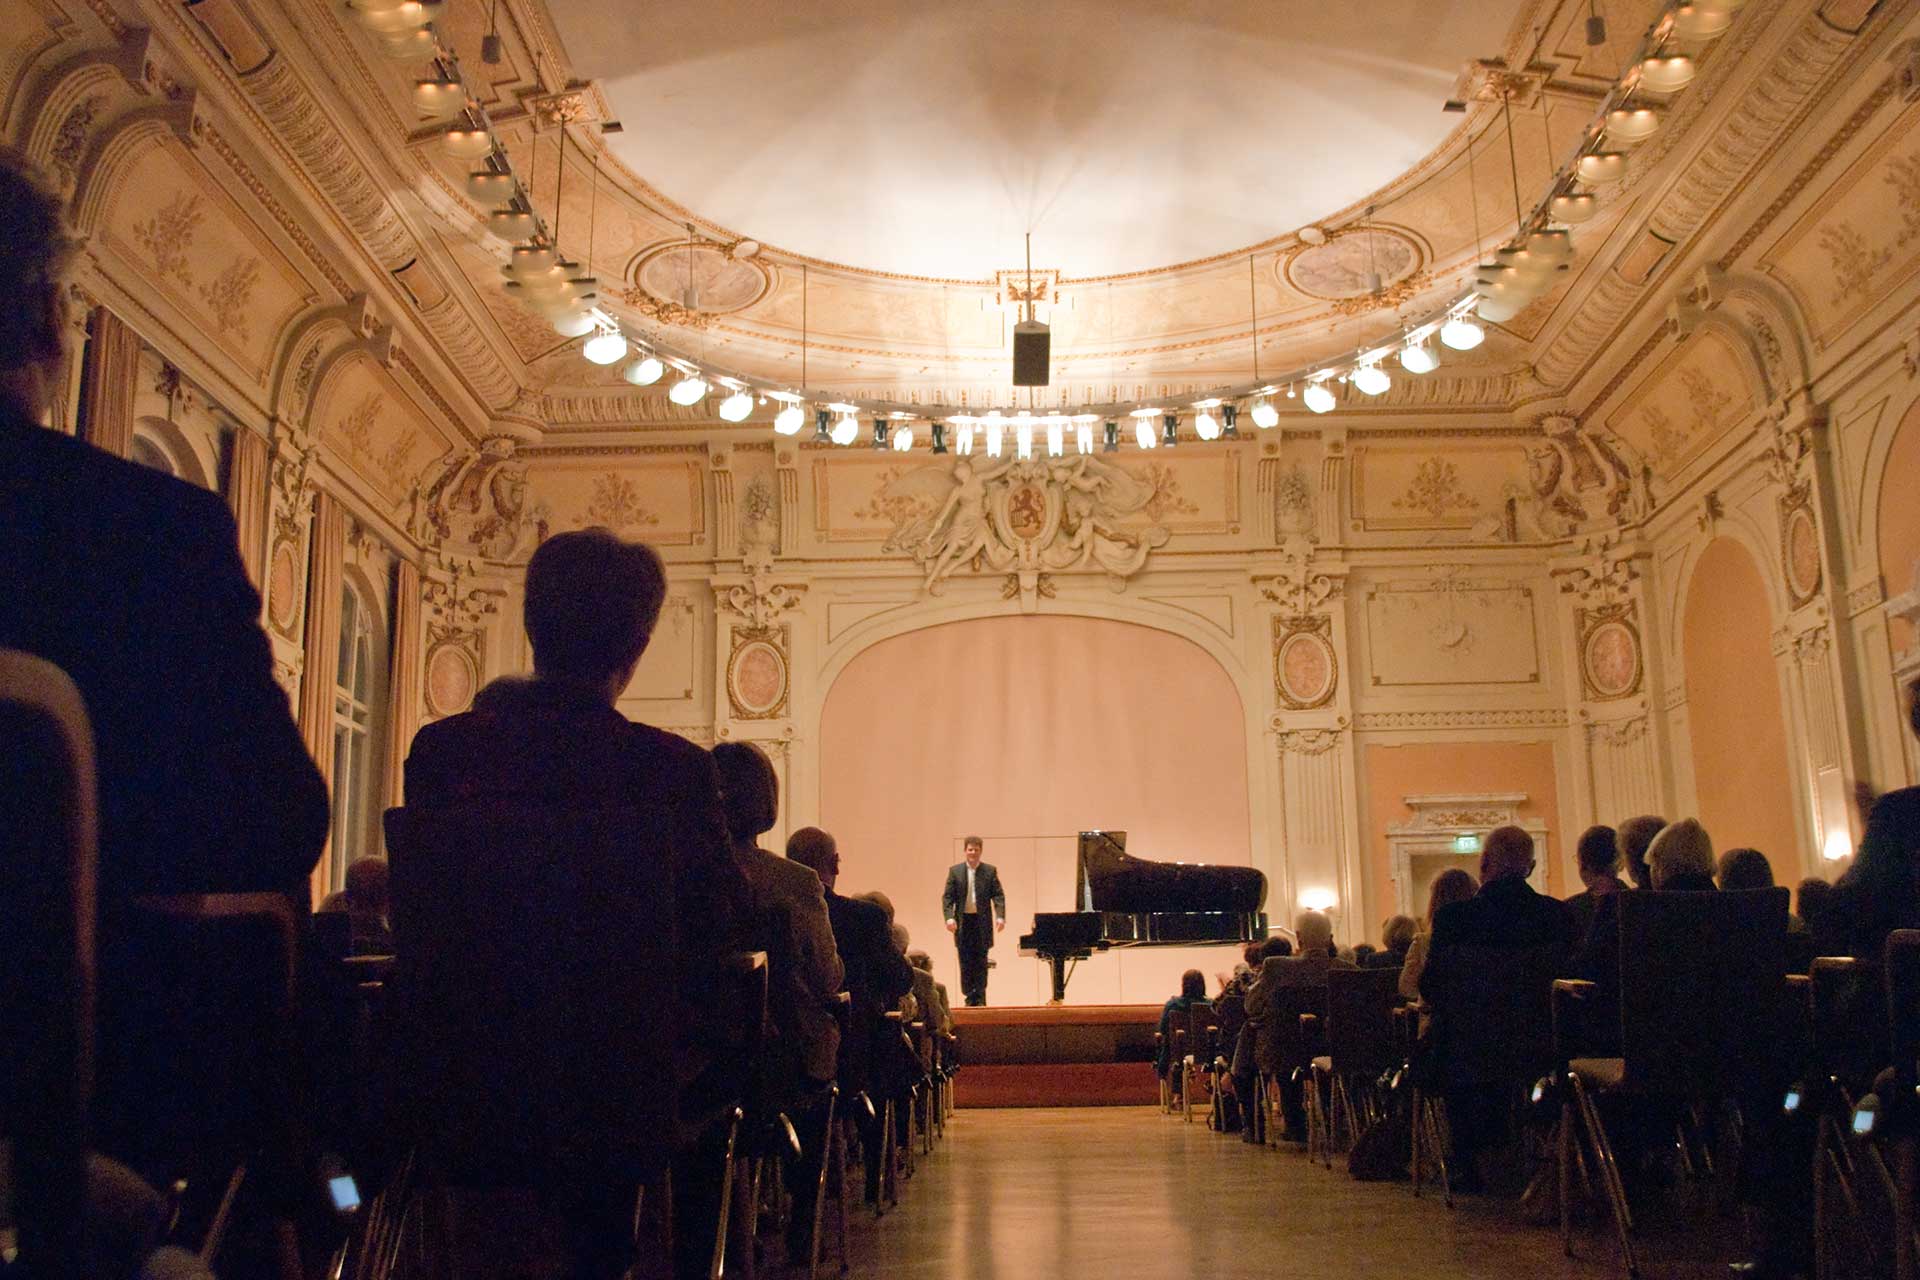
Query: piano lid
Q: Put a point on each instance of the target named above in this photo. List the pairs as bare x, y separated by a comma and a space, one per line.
1110, 879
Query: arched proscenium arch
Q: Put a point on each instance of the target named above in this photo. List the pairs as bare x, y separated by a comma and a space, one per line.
813, 685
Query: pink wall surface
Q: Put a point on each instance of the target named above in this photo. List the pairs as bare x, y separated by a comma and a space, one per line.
1900, 520
1026, 730
1738, 728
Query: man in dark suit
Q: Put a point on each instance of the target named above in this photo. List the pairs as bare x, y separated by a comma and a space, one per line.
557, 741
877, 976
131, 582
1506, 914
973, 891
1598, 858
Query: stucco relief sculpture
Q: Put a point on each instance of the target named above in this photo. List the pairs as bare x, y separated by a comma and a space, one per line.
1026, 518
1571, 477
480, 502
759, 526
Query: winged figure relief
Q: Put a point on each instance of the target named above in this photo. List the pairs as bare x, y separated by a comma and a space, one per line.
949, 510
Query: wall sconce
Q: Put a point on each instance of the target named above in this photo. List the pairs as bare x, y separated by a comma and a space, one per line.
1319, 899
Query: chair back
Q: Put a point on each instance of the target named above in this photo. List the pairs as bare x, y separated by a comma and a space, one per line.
47, 850
1197, 1023
1493, 1013
1702, 983
1285, 1046
1360, 1027
537, 991
1902, 968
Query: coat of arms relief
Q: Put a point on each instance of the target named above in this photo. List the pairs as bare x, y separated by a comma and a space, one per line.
1027, 518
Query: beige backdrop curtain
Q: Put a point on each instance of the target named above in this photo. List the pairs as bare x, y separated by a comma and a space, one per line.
403, 679
112, 373
247, 498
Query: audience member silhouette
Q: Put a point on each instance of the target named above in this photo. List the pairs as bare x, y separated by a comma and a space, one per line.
1396, 938
1450, 886
1881, 890
1193, 987
556, 741
1597, 857
131, 582
1634, 835
364, 903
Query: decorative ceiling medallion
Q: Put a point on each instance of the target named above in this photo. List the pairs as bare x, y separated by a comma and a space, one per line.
1305, 667
1610, 653
757, 673
1338, 269
1800, 546
697, 280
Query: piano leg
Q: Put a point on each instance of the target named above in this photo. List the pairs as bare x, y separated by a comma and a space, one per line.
1058, 964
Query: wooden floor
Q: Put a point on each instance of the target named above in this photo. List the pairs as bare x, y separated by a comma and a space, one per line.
1124, 1193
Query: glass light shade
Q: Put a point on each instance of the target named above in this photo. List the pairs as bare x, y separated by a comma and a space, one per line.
1318, 398
903, 438
1056, 437
1554, 246
439, 96
1023, 440
1572, 208
604, 347
489, 187
845, 428
1205, 425
1601, 169
391, 19
510, 224
1371, 379
789, 420
1462, 333
996, 434
689, 390
530, 258
648, 370
408, 46
1500, 310
1628, 125
1265, 416
736, 407
575, 324
1143, 433
1701, 21
1667, 74
1418, 357
465, 143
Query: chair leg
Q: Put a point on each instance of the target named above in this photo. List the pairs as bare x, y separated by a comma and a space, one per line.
1564, 1146
1436, 1135
889, 1156
831, 1136
1906, 1167
1419, 1122
1610, 1174
719, 1265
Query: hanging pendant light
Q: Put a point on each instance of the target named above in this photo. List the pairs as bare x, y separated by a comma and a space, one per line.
1462, 333
1701, 21
789, 420
1666, 73
409, 46
1574, 208
491, 186
645, 371
1317, 397
1265, 416
605, 347
1602, 168
1418, 357
466, 142
576, 325
736, 407
1626, 126
439, 95
689, 390
1371, 379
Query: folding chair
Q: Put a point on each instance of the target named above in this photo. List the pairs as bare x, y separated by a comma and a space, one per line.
1694, 969
1361, 1045
1193, 1034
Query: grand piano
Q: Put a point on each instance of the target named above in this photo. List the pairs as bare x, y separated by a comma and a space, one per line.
1126, 901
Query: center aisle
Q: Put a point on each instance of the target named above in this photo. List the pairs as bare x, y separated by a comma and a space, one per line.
1125, 1193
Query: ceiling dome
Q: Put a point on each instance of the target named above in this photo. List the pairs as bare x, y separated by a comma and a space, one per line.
927, 139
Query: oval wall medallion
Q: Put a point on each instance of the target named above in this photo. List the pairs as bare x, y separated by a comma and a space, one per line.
757, 680
1305, 669
720, 283
452, 678
283, 587
1803, 554
1612, 659
1339, 268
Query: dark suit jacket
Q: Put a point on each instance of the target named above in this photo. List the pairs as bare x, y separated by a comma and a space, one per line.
986, 889
1581, 908
877, 976
541, 743
1272, 1020
131, 582
1505, 913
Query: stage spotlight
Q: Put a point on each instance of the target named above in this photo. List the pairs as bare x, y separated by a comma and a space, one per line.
648, 370
1265, 416
605, 347
1462, 333
845, 429
689, 390
1205, 425
1418, 357
736, 407
1317, 397
789, 420
1371, 379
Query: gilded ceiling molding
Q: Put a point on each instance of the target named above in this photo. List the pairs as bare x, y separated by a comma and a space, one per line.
1764, 111
1379, 721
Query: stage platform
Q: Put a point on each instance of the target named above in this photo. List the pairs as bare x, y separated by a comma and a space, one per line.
1056, 1056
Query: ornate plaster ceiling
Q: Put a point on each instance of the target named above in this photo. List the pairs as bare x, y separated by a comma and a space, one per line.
925, 139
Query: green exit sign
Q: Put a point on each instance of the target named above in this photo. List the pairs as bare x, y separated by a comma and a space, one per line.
1466, 844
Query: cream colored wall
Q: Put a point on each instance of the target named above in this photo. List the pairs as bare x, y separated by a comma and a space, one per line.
1751, 377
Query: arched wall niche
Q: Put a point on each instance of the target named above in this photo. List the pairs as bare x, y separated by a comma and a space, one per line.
1744, 789
1025, 729
172, 444
1896, 521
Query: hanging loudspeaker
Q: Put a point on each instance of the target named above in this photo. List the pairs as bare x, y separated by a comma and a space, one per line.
1032, 354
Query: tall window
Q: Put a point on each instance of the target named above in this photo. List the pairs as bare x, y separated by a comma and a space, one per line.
353, 714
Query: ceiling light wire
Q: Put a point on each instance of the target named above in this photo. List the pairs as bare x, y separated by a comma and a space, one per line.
1513, 159
1253, 310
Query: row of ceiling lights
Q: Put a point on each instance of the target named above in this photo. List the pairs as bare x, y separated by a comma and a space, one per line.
567, 296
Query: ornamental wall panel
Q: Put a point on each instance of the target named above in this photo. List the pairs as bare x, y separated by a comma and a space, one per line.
657, 498
1694, 397
669, 670
368, 423
1456, 629
1859, 242
1425, 485
176, 229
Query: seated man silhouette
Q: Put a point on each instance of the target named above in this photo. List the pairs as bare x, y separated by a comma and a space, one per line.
556, 740
131, 582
